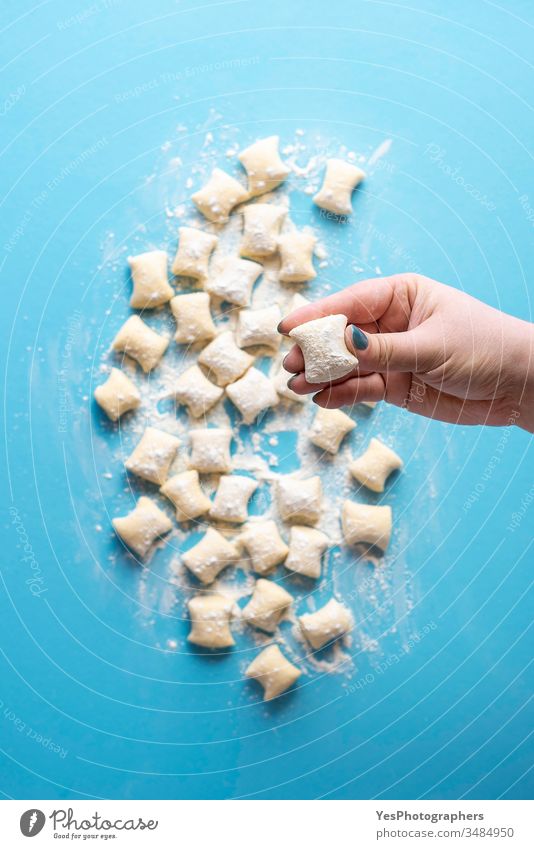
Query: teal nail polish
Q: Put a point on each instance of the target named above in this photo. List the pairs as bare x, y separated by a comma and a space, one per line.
359, 339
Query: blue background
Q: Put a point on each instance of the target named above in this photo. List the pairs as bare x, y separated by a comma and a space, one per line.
82, 663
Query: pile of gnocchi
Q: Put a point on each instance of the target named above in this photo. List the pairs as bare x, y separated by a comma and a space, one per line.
225, 369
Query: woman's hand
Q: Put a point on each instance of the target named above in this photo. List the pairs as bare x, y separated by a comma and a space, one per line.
427, 347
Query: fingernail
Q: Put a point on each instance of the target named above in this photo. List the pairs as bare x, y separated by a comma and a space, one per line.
314, 397
279, 326
359, 339
290, 381
284, 361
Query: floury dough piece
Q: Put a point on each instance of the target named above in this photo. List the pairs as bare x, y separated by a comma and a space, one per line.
375, 465
210, 616
194, 250
218, 197
210, 450
252, 394
118, 395
340, 180
193, 318
265, 170
327, 624
210, 556
138, 341
232, 280
329, 428
268, 605
153, 455
196, 392
259, 328
366, 523
306, 548
273, 671
150, 284
185, 492
322, 342
261, 229
225, 361
299, 500
264, 545
231, 499
141, 528
296, 255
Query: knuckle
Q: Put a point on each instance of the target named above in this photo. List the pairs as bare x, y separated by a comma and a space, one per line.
384, 351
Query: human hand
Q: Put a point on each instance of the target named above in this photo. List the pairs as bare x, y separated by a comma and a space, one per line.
429, 348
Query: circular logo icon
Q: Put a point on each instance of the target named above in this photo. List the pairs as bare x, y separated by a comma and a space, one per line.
32, 822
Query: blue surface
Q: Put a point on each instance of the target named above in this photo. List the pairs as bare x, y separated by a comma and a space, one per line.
90, 97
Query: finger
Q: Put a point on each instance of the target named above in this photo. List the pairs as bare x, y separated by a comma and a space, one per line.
300, 385
362, 303
294, 361
414, 350
352, 391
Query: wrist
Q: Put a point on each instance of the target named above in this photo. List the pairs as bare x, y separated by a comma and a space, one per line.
522, 377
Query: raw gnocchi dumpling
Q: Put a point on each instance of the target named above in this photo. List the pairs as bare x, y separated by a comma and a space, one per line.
210, 450
265, 170
375, 465
269, 604
259, 327
252, 394
232, 280
153, 455
231, 499
329, 428
322, 342
218, 197
264, 545
296, 255
193, 318
210, 616
225, 361
306, 548
196, 392
210, 556
299, 500
150, 284
118, 395
140, 529
340, 180
194, 250
138, 341
186, 494
366, 523
327, 624
261, 229
273, 671
280, 379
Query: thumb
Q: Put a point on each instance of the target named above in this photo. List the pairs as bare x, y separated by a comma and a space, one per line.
411, 350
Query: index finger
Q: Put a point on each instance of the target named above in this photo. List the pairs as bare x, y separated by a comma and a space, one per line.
362, 303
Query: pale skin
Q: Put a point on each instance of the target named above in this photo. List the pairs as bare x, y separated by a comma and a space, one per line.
430, 348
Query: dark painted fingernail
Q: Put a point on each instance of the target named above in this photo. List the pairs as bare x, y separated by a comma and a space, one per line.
314, 397
290, 381
280, 326
359, 339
